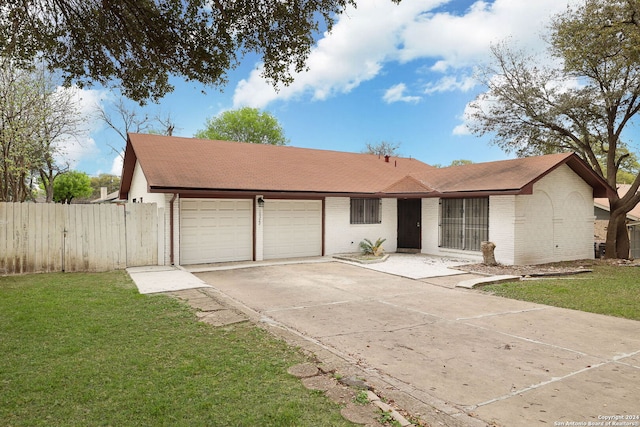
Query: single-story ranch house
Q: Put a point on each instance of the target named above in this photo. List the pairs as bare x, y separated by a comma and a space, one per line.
229, 201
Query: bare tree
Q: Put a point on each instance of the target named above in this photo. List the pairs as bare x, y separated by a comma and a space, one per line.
123, 120
383, 148
584, 105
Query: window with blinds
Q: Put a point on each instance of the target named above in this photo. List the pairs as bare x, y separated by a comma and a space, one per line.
366, 211
464, 223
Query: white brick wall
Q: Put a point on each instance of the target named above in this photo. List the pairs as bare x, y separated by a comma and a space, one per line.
258, 228
167, 228
555, 223
430, 226
343, 237
502, 220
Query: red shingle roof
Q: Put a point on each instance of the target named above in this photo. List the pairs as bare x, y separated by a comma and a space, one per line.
186, 163
502, 175
175, 164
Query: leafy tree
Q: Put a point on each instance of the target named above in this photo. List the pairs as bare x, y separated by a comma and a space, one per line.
383, 148
244, 125
140, 43
35, 118
583, 104
60, 119
71, 185
459, 162
18, 159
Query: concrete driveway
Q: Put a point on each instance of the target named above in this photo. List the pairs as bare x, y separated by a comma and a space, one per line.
474, 357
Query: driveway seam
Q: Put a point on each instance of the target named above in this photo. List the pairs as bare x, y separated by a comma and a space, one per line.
537, 386
484, 316
531, 340
302, 307
402, 328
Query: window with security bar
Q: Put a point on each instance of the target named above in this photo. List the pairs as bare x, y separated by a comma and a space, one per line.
464, 223
366, 211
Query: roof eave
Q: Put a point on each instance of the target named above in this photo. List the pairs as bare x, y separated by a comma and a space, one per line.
601, 189
483, 193
251, 192
128, 167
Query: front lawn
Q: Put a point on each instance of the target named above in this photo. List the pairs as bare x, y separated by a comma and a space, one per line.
611, 289
87, 349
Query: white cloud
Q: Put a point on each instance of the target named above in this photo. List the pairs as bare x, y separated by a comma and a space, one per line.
461, 130
355, 51
397, 94
379, 31
74, 148
451, 83
116, 166
87, 101
458, 41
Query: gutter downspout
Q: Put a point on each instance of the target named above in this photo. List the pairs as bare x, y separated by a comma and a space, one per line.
173, 199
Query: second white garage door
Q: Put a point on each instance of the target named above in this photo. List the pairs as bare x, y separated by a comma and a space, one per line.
292, 228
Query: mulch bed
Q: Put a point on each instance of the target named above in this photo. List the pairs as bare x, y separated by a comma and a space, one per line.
553, 269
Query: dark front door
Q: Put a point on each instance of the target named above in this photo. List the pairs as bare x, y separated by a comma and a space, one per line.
409, 217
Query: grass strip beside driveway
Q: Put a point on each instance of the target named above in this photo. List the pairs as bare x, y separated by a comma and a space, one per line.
611, 290
87, 349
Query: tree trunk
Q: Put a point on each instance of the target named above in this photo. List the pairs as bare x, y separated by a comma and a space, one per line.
623, 246
488, 255
617, 243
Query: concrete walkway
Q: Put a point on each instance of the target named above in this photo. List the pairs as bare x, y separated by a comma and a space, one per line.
451, 356
154, 279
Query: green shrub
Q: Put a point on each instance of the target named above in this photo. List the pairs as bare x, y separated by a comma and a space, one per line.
369, 248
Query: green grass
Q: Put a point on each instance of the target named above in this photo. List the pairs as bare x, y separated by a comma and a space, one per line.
88, 350
611, 290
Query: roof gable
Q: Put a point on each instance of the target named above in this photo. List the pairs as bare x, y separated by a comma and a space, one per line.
408, 184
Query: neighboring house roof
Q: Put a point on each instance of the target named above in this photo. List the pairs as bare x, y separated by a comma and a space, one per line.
603, 203
107, 198
193, 166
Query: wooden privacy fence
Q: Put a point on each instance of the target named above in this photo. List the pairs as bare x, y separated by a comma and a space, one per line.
47, 237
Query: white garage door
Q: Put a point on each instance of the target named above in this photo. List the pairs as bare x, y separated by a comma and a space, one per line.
215, 230
292, 228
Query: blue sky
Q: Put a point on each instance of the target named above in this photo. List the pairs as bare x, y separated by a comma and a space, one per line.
398, 73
